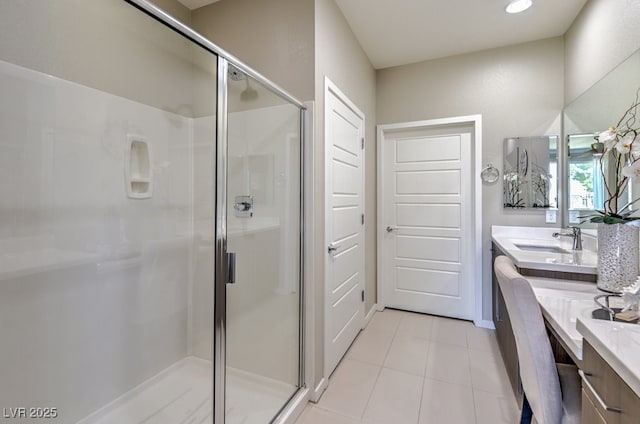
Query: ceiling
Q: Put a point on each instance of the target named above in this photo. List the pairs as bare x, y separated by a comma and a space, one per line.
406, 31
398, 32
194, 4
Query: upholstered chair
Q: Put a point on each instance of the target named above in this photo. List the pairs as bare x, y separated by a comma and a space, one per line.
551, 391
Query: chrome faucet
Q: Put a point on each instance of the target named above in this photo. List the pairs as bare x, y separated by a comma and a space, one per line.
576, 233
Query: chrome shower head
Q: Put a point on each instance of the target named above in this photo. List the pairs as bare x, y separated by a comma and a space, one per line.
249, 93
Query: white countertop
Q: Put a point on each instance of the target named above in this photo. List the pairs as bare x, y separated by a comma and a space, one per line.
562, 302
567, 305
619, 345
582, 262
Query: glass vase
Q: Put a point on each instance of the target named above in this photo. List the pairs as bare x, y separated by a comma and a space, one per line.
617, 256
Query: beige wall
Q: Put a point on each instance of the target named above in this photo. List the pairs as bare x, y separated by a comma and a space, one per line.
603, 35
273, 37
518, 90
339, 57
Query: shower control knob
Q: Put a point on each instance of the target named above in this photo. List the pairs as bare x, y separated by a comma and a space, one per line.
242, 206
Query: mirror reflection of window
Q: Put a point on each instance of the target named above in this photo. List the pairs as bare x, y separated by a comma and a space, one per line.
586, 190
585, 183
553, 172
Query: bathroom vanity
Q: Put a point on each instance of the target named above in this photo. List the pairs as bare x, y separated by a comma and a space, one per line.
605, 352
536, 253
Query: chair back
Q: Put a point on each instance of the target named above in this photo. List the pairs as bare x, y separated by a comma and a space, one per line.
538, 370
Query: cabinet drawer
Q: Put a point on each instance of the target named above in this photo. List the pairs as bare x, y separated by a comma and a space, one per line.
590, 414
610, 388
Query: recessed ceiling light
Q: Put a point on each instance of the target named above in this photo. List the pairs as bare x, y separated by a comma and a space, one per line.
517, 6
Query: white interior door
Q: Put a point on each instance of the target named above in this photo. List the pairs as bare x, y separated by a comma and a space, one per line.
427, 233
344, 228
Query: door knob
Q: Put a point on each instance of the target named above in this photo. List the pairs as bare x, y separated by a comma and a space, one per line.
390, 229
332, 248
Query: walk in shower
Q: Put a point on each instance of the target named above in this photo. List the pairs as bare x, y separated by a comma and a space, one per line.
150, 223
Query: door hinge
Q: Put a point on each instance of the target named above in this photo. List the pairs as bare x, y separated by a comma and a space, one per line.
362, 143
362, 219
362, 295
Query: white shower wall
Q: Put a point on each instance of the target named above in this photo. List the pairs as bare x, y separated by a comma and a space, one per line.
93, 286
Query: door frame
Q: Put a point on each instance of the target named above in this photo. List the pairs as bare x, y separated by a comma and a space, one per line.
476, 151
332, 89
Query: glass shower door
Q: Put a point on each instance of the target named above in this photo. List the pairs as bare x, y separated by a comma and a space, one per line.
263, 231
107, 144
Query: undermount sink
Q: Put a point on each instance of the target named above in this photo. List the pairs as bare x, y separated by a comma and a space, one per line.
541, 248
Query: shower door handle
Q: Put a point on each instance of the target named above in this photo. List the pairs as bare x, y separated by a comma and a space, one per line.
231, 267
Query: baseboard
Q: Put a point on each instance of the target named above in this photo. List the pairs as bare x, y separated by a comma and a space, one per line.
370, 315
319, 390
485, 323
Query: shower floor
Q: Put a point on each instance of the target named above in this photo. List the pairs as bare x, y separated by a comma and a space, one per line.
182, 394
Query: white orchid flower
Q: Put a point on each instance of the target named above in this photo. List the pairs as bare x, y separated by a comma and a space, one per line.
608, 137
632, 171
625, 144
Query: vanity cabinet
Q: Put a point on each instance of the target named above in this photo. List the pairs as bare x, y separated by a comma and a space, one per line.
602, 386
504, 333
590, 414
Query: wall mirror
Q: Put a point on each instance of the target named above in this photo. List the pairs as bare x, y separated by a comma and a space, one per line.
598, 108
530, 172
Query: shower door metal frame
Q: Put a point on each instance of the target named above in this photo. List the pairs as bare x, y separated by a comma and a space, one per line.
221, 257
221, 267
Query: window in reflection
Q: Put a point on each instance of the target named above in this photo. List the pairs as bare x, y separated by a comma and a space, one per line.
585, 180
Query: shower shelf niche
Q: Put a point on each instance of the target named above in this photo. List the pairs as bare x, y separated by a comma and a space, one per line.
137, 168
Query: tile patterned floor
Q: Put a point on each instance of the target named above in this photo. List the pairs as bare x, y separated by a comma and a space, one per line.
408, 368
